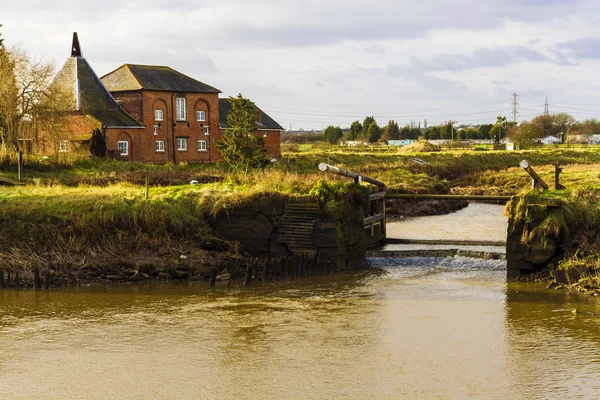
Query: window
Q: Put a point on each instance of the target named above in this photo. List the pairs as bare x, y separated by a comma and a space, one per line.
180, 108
123, 147
155, 130
264, 133
206, 131
182, 144
63, 146
160, 146
201, 145
200, 116
158, 115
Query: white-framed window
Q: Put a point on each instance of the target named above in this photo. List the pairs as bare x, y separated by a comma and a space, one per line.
160, 146
158, 115
180, 105
182, 144
200, 116
123, 147
206, 130
201, 145
156, 130
63, 146
264, 133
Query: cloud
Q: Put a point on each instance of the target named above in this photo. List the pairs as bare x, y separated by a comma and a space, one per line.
582, 48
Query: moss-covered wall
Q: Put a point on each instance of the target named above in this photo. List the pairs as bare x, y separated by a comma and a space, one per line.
535, 234
278, 226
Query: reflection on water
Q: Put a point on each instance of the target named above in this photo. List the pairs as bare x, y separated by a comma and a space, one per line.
426, 328
447, 328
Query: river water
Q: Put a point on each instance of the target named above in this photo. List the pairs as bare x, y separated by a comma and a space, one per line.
424, 328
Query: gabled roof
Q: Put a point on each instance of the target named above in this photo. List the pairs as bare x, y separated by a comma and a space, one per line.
151, 77
85, 92
266, 121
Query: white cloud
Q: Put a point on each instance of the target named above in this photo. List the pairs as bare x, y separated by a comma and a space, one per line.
317, 62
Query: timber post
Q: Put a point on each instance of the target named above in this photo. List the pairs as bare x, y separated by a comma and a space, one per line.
536, 180
557, 172
374, 223
20, 166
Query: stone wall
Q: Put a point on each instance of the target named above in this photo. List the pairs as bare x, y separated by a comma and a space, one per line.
277, 226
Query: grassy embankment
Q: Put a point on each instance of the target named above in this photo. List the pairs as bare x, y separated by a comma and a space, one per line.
85, 213
573, 220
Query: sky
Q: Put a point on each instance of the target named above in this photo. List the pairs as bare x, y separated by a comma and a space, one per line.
314, 63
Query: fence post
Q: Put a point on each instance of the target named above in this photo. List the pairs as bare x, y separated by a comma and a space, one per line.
20, 166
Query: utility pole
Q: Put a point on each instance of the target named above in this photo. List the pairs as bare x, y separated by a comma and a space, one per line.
546, 112
515, 107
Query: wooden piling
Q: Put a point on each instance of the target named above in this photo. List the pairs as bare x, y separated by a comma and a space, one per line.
1, 279
296, 266
20, 166
37, 284
282, 268
17, 280
46, 280
265, 270
213, 278
249, 269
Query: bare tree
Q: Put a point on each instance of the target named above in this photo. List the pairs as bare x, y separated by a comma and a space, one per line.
27, 97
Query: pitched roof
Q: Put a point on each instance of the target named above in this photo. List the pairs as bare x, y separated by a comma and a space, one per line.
85, 93
152, 77
266, 121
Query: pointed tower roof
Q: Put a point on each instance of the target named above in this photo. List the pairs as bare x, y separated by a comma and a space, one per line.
76, 49
87, 94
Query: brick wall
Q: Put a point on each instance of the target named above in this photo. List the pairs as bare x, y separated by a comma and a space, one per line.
73, 125
170, 129
272, 141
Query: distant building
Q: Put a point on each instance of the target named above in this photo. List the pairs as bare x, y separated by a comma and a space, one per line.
550, 140
400, 142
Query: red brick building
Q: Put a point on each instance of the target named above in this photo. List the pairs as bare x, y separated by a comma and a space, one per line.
150, 114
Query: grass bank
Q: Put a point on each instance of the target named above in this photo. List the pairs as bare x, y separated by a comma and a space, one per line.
569, 220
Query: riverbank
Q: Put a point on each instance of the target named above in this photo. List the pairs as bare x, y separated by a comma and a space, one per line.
558, 233
56, 235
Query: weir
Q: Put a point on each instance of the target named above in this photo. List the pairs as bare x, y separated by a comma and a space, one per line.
521, 258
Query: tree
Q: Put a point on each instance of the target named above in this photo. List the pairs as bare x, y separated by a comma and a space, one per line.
355, 131
587, 127
544, 124
98, 144
391, 131
373, 132
365, 126
28, 101
525, 135
332, 134
563, 123
470, 133
239, 147
8, 98
447, 131
433, 133
1, 40
484, 131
